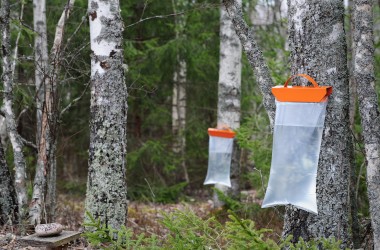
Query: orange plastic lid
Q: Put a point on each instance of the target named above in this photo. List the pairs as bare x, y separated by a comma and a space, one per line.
301, 93
221, 133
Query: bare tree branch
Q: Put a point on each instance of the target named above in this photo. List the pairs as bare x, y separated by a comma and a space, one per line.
75, 100
15, 51
201, 6
155, 17
28, 143
20, 114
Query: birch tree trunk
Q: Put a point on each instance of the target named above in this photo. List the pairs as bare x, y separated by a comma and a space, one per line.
106, 187
40, 58
14, 137
254, 55
8, 200
3, 132
37, 204
318, 48
179, 90
44, 187
229, 88
368, 106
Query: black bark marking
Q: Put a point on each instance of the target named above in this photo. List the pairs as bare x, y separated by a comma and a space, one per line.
4, 50
105, 65
112, 53
93, 15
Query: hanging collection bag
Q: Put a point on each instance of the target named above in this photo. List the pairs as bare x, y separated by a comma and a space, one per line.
219, 159
299, 121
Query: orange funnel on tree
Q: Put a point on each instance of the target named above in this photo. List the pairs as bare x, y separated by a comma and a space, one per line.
226, 133
313, 93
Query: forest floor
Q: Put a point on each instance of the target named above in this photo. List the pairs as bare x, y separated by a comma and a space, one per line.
143, 217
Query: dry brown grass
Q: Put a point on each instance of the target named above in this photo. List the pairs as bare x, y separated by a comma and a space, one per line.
144, 218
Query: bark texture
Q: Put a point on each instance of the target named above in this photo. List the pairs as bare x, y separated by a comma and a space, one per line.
14, 137
44, 186
368, 105
355, 226
254, 55
40, 58
3, 132
8, 198
179, 90
106, 187
318, 48
37, 204
229, 88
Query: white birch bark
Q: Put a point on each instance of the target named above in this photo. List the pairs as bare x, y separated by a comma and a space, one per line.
15, 51
229, 88
3, 132
14, 137
254, 55
44, 186
179, 90
41, 70
106, 187
364, 75
318, 48
3, 127
40, 58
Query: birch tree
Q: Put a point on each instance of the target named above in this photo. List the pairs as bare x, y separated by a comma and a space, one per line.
40, 58
318, 48
179, 89
364, 76
15, 139
254, 55
229, 88
46, 77
106, 186
40, 72
317, 42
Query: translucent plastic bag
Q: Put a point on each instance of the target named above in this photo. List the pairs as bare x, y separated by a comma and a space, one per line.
296, 145
219, 159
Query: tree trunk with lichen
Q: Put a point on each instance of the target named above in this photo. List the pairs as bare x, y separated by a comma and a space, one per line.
106, 197
318, 48
355, 226
229, 88
179, 90
8, 200
15, 139
364, 75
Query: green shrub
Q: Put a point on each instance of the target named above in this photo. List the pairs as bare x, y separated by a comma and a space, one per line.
188, 231
102, 237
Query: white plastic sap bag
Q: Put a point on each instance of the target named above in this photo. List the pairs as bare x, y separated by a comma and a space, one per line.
296, 146
219, 159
